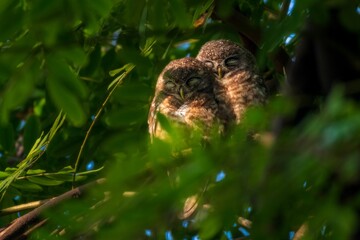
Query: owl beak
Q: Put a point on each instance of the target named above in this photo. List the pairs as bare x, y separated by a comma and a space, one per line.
219, 71
181, 93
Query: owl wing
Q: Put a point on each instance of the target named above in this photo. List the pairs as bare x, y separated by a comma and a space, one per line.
243, 89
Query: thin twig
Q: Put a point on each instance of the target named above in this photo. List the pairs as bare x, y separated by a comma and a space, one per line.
22, 207
33, 228
127, 71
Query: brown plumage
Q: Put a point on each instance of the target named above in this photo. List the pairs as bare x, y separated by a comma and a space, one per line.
184, 94
238, 83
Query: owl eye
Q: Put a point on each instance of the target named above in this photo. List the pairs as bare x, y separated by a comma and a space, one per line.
169, 85
232, 61
193, 82
209, 64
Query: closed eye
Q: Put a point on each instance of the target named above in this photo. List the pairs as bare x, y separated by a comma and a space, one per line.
209, 64
169, 85
193, 82
232, 61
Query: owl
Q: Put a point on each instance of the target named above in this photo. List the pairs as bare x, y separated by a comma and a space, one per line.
184, 94
238, 84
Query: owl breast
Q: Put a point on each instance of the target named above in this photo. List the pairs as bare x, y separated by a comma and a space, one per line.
240, 90
200, 112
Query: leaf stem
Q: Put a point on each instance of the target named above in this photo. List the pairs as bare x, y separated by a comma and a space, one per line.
128, 68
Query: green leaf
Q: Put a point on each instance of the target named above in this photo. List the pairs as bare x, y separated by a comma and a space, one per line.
66, 90
35, 171
164, 122
27, 186
126, 68
45, 181
210, 228
90, 172
60, 71
34, 154
19, 88
7, 139
132, 92
180, 12
10, 169
67, 177
73, 55
350, 18
3, 174
31, 132
126, 116
67, 101
67, 169
93, 62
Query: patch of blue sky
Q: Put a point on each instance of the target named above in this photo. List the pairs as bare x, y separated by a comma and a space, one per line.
249, 209
228, 235
291, 7
244, 231
148, 233
184, 46
220, 176
196, 237
21, 125
168, 235
90, 165
17, 198
115, 37
289, 38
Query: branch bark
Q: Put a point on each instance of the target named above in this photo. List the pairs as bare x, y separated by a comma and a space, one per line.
32, 217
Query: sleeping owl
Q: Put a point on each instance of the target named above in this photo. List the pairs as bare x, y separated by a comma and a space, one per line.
238, 84
184, 94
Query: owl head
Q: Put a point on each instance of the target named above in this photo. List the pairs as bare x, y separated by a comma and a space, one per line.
224, 56
185, 78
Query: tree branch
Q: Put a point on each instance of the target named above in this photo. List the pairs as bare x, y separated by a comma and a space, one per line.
31, 217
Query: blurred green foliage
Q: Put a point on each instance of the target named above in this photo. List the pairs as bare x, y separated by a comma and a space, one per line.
68, 55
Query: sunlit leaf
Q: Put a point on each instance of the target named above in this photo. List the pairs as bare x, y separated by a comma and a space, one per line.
27, 186
35, 171
45, 181
4, 174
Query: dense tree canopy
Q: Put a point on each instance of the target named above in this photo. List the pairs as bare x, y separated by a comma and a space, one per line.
76, 82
